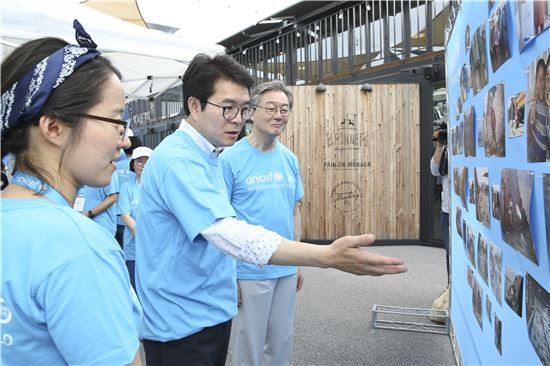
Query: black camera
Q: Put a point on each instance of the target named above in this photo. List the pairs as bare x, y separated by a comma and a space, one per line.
442, 136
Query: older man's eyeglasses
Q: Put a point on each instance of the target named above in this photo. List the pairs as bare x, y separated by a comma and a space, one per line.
271, 110
121, 122
231, 111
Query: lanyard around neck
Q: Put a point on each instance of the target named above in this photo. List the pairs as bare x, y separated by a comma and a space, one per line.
37, 185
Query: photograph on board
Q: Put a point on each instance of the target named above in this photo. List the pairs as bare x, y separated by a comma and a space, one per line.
493, 132
477, 295
488, 307
495, 201
454, 141
460, 176
516, 115
464, 83
458, 221
469, 139
470, 244
537, 317
480, 122
515, 223
546, 195
467, 38
470, 277
460, 145
513, 290
482, 258
499, 44
538, 115
482, 196
498, 334
471, 192
541, 15
495, 268
478, 59
524, 22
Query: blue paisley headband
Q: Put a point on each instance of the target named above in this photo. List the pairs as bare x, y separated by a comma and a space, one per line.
24, 99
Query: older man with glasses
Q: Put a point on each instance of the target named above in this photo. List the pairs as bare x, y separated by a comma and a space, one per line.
264, 184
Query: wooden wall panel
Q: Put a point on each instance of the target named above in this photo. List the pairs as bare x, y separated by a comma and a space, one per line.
359, 158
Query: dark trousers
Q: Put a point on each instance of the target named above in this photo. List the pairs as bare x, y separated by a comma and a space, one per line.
119, 235
207, 347
131, 265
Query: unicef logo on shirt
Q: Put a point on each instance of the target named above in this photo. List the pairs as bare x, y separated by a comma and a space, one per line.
5, 312
264, 178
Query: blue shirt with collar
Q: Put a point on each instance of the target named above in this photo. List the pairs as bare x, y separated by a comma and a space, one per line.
184, 283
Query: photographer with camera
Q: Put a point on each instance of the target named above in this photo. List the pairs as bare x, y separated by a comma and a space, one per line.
439, 167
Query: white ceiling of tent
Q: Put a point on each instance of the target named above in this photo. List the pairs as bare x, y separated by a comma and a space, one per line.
150, 61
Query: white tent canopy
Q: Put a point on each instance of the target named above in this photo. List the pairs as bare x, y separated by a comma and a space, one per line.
150, 61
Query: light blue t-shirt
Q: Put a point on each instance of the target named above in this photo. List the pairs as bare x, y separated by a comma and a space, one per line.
95, 195
124, 174
66, 296
184, 283
128, 201
263, 188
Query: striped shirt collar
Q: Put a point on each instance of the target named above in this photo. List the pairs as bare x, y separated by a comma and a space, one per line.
199, 139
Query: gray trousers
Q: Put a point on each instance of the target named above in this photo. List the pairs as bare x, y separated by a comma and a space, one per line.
261, 333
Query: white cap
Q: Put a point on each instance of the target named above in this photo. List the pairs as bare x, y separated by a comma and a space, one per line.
141, 151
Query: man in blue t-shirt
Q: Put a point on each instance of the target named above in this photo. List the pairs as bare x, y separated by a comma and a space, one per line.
264, 185
186, 226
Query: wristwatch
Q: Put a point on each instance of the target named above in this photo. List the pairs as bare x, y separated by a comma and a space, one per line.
90, 214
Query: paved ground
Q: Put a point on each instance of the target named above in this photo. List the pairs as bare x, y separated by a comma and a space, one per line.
334, 314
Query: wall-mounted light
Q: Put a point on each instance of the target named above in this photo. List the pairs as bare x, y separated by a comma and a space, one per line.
298, 35
277, 41
261, 47
244, 52
366, 87
368, 7
340, 16
321, 88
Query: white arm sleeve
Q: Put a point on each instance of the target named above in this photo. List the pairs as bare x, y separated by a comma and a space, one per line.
245, 242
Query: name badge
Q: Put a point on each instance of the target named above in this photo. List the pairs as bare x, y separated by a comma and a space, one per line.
79, 203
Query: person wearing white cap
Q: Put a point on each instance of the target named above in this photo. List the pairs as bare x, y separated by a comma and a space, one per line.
128, 203
124, 174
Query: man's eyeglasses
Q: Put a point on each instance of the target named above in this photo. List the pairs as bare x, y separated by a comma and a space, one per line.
231, 111
123, 123
271, 110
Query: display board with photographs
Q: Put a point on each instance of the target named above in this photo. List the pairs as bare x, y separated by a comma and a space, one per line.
500, 171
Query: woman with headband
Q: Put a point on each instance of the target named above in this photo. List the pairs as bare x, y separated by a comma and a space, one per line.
66, 297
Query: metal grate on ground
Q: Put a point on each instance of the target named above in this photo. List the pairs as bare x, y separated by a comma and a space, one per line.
410, 319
